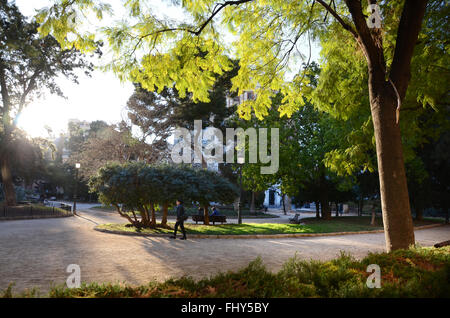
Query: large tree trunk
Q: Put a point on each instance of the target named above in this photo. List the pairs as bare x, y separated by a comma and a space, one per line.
206, 214
419, 212
326, 210
7, 180
399, 231
445, 209
144, 219
165, 213
372, 221
6, 129
284, 205
252, 204
152, 208
360, 206
317, 209
387, 90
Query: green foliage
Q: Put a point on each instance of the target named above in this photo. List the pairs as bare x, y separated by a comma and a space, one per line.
160, 53
342, 89
30, 63
29, 67
138, 186
306, 140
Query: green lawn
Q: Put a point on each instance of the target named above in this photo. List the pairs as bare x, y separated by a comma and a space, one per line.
249, 228
312, 225
104, 208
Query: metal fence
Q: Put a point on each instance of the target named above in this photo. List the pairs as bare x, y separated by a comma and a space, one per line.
35, 211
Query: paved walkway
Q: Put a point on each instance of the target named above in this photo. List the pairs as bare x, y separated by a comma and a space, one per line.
37, 252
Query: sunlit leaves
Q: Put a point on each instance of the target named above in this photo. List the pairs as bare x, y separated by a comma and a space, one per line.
64, 20
161, 53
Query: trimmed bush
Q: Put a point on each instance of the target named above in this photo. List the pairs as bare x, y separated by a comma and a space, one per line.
138, 187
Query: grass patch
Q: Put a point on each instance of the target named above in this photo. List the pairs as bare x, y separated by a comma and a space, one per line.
311, 225
417, 272
248, 228
103, 208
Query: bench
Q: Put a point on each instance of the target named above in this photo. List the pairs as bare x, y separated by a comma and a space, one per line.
214, 218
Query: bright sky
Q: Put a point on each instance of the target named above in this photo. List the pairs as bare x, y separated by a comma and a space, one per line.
100, 97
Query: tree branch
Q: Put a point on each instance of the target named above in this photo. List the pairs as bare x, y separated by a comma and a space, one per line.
29, 88
407, 34
4, 90
216, 10
374, 53
344, 24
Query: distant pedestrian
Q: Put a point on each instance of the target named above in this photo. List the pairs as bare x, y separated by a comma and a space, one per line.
181, 217
215, 212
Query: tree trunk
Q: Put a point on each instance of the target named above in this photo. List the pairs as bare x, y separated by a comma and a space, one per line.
398, 226
284, 205
252, 204
153, 222
326, 210
7, 180
419, 212
123, 214
360, 206
317, 209
145, 221
372, 221
165, 213
446, 213
337, 209
206, 214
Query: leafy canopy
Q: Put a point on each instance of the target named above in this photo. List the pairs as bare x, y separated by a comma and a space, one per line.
158, 52
267, 38
136, 184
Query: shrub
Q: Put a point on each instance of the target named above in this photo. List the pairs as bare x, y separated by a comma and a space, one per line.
419, 272
139, 187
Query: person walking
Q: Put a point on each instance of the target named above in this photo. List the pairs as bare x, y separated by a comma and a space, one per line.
181, 217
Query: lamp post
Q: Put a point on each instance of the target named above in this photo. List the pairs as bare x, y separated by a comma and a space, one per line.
240, 196
77, 167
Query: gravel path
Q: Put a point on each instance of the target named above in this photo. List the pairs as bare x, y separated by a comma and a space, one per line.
36, 253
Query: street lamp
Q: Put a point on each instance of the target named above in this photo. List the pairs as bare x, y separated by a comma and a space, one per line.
77, 167
240, 196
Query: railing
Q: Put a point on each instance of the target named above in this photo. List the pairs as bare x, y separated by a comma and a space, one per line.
34, 211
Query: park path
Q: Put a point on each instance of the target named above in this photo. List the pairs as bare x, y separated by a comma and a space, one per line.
37, 252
